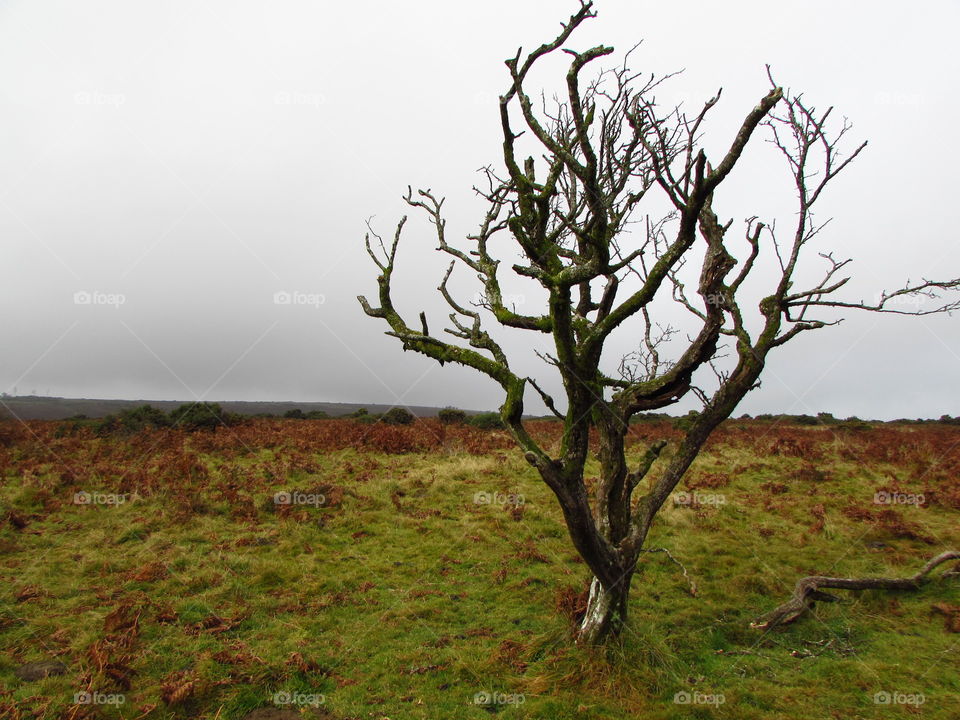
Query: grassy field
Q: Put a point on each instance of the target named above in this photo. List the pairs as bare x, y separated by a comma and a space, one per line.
424, 572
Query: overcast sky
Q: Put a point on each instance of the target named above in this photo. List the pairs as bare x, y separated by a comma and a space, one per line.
167, 168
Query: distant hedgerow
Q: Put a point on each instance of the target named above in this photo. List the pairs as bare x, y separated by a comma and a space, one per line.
202, 416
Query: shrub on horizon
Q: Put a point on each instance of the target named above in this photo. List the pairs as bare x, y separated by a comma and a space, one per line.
486, 421
398, 416
452, 416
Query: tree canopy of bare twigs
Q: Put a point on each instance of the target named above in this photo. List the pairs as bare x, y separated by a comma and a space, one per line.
605, 150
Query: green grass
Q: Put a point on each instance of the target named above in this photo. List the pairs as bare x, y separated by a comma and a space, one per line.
408, 599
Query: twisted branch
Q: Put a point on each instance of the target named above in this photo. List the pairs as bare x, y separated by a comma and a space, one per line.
807, 591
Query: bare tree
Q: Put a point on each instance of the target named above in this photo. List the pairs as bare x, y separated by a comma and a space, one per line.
606, 150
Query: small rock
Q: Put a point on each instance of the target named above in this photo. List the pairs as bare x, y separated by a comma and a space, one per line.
39, 670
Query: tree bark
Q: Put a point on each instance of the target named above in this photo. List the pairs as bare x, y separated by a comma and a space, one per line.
606, 613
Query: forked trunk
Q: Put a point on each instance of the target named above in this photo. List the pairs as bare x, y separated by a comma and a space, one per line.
606, 612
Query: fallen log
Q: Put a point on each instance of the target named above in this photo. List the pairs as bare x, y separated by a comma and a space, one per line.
808, 590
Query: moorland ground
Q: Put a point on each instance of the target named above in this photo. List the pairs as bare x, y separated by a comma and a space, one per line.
423, 571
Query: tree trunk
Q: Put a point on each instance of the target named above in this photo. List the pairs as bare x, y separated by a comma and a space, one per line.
606, 612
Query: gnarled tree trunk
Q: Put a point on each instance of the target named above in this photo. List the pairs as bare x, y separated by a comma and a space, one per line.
606, 613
